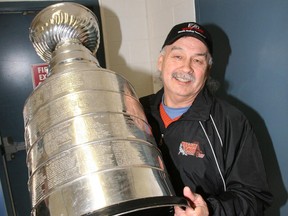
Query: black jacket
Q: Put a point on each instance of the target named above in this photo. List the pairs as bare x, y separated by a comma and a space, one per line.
213, 150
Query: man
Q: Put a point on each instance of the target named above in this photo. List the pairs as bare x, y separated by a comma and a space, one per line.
207, 145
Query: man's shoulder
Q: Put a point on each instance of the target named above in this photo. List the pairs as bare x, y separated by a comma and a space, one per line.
227, 110
146, 101
151, 99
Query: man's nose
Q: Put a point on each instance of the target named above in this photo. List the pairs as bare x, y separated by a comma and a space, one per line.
187, 66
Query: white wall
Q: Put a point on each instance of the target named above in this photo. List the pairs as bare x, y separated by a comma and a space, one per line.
134, 31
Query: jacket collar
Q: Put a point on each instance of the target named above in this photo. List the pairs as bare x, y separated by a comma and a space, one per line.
200, 109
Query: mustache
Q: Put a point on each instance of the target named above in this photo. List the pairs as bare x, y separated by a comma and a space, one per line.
183, 76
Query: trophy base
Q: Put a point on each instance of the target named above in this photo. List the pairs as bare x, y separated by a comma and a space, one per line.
156, 206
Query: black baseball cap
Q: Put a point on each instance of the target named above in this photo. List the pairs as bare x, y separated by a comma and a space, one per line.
189, 29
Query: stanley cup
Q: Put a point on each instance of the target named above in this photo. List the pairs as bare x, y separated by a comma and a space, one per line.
90, 150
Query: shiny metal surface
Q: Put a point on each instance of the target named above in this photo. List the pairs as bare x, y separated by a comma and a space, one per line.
60, 22
89, 147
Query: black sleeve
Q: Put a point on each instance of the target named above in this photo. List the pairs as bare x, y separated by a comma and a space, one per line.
247, 191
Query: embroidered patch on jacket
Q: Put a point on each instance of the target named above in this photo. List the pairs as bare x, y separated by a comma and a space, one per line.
193, 149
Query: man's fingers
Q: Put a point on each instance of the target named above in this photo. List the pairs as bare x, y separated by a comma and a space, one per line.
178, 211
190, 196
183, 212
188, 193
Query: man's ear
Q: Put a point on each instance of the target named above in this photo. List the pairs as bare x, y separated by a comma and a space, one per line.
160, 62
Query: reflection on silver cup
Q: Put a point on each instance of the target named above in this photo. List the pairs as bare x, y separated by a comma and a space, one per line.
89, 146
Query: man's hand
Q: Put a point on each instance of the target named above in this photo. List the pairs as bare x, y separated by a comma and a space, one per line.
197, 205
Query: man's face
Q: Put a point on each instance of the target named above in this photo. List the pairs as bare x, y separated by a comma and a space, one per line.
184, 69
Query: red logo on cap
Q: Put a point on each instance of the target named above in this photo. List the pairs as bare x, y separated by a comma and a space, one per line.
193, 27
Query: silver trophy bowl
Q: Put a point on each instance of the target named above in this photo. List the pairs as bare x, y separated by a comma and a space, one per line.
90, 150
